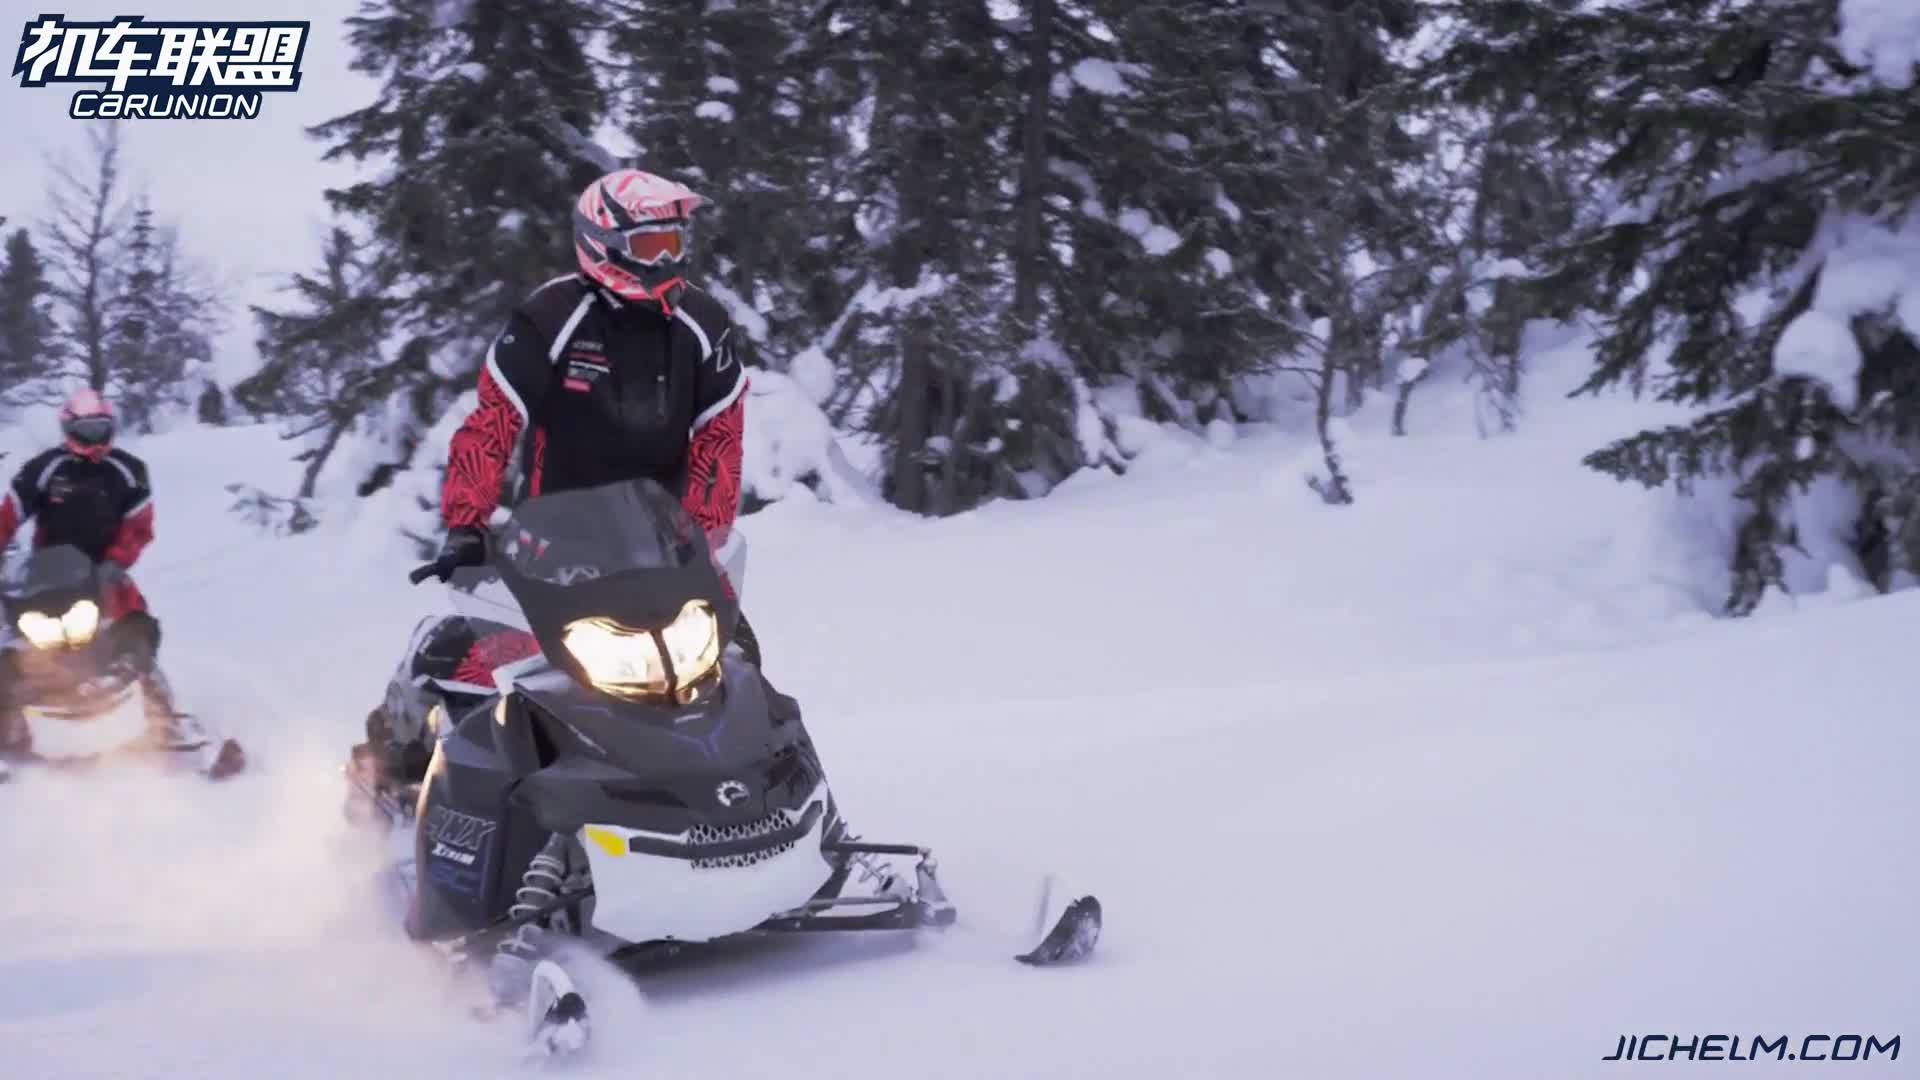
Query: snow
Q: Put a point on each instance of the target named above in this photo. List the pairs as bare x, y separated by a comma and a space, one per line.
1866, 267
1883, 35
813, 372
1218, 261
1100, 76
1155, 237
1466, 755
720, 84
714, 110
746, 316
1226, 206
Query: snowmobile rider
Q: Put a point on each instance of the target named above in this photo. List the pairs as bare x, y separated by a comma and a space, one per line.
622, 370
94, 496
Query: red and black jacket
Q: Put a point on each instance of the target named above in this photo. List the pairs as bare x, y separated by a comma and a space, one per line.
595, 390
104, 508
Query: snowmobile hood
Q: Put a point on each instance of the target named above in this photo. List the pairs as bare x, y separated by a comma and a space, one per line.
52, 580
739, 756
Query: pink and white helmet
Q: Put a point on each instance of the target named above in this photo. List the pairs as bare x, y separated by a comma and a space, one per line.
630, 234
87, 421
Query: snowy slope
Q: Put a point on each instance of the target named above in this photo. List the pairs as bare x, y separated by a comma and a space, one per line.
1457, 781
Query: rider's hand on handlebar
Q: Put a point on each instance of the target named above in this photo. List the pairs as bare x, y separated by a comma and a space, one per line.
465, 545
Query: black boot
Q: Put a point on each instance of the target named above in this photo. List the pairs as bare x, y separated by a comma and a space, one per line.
397, 762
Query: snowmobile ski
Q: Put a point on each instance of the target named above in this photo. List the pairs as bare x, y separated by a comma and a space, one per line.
1066, 926
225, 761
556, 1014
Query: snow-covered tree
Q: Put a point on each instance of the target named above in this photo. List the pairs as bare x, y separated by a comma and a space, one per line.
927, 362
482, 137
324, 368
745, 104
162, 321
1756, 259
1342, 227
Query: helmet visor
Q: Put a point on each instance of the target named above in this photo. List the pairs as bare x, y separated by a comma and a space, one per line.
90, 430
648, 245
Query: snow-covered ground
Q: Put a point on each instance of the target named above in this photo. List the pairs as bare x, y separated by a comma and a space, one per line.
1456, 782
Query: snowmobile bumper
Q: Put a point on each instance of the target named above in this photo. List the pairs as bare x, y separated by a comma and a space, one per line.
705, 883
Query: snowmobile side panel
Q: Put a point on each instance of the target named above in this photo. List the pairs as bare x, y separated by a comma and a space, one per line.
466, 845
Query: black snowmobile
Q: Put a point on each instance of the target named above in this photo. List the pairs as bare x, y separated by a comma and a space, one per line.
78, 688
632, 783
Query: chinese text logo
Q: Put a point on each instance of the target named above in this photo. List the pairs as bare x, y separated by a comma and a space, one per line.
163, 70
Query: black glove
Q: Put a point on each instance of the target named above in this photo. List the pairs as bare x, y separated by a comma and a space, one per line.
465, 545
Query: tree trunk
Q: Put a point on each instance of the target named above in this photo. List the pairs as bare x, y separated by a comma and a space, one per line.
311, 477
909, 476
1028, 241
1334, 489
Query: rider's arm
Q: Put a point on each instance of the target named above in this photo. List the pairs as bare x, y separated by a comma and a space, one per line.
512, 382
135, 531
712, 493
21, 500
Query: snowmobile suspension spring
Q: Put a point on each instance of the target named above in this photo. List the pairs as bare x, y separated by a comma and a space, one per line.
539, 885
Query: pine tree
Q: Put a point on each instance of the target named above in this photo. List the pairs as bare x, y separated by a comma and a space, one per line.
28, 334
137, 321
162, 321
483, 130
1741, 148
1338, 224
742, 103
1515, 176
929, 365
1162, 130
324, 369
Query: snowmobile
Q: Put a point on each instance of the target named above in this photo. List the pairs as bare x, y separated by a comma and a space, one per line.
631, 784
73, 692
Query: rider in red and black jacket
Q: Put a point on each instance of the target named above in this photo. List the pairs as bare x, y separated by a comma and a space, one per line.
94, 496
623, 370
88, 493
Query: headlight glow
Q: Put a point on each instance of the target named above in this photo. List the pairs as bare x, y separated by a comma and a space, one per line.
76, 627
693, 643
626, 662
80, 622
41, 631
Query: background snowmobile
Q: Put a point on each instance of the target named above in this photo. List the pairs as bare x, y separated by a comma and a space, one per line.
72, 692
635, 782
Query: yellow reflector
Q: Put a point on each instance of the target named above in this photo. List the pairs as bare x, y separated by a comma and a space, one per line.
606, 841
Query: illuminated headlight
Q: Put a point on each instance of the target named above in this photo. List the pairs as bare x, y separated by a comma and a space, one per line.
624, 661
76, 627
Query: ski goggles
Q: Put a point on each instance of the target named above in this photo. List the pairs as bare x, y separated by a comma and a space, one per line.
89, 430
648, 244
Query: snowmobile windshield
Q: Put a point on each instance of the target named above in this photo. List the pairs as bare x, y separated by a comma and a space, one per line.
619, 559
55, 575
574, 536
